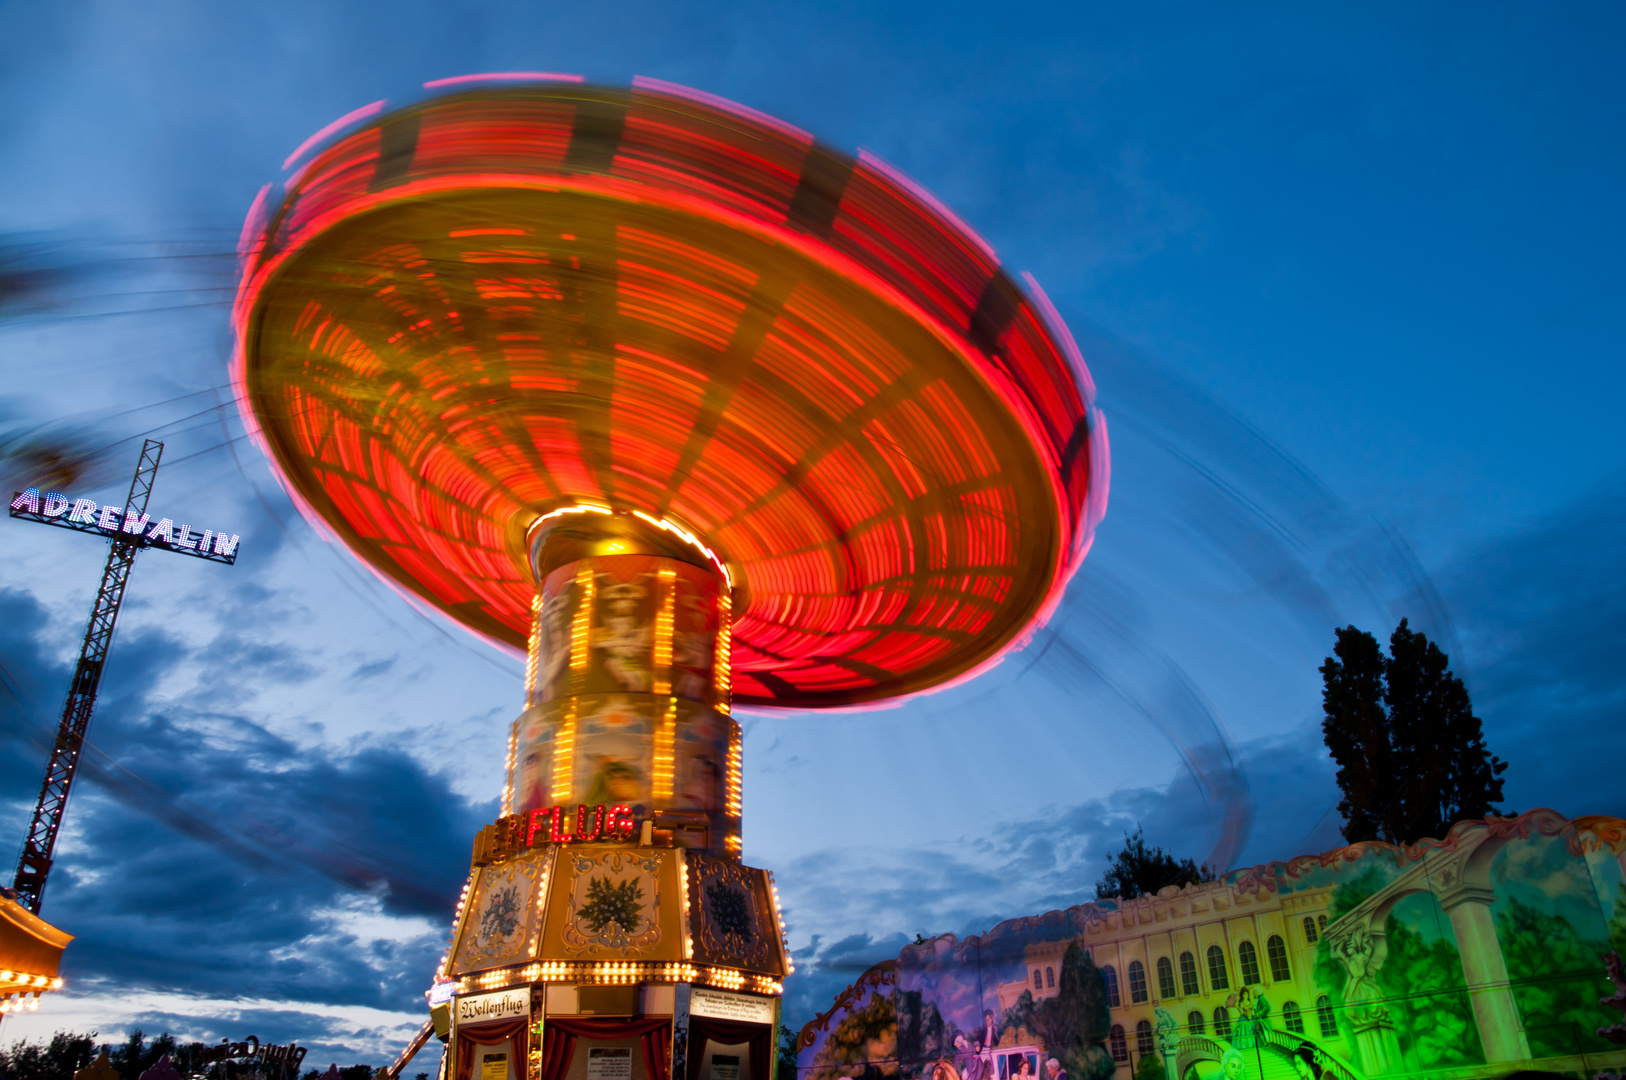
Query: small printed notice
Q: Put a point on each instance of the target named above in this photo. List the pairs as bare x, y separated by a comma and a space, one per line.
724, 1006
725, 1067
494, 1067
608, 1063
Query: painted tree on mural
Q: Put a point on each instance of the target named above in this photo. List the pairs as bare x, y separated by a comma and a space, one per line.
1073, 1025
864, 1044
1557, 980
1421, 980
1617, 926
1141, 870
923, 1035
1411, 754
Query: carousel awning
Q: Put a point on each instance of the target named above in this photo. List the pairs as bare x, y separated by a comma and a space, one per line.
30, 953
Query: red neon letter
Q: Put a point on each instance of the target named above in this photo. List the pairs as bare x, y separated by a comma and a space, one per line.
556, 827
621, 824
582, 832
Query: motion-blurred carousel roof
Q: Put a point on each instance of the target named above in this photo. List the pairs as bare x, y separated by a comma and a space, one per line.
526, 294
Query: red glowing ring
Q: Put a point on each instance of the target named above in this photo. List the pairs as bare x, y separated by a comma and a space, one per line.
898, 504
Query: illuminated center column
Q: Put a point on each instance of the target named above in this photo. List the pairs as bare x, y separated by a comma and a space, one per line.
627, 688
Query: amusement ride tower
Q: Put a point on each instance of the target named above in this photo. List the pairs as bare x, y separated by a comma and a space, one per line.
699, 412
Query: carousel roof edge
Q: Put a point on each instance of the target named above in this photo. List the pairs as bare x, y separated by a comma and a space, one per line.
18, 919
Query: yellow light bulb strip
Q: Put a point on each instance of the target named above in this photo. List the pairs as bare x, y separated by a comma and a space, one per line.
564, 754
508, 770
662, 661
618, 973
533, 651
665, 754
581, 625
725, 631
735, 781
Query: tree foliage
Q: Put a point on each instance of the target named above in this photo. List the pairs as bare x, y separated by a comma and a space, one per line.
923, 1034
863, 1044
1072, 1025
1421, 981
1411, 754
55, 1060
1141, 870
1557, 980
1428, 997
787, 1053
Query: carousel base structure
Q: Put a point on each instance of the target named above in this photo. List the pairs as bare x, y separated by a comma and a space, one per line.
615, 958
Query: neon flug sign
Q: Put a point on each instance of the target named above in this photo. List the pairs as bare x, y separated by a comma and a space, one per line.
124, 525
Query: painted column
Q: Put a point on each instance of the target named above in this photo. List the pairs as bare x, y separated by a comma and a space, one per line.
627, 688
1501, 1031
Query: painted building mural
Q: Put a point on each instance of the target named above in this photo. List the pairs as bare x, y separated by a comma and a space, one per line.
1472, 956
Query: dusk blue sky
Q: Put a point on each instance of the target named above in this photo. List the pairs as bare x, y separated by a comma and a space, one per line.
1349, 283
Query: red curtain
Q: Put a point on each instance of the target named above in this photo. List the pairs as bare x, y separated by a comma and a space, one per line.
559, 1035
706, 1028
486, 1034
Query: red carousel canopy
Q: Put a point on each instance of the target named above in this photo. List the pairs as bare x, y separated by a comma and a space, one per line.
516, 297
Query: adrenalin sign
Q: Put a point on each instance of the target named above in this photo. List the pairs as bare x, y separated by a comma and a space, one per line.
122, 523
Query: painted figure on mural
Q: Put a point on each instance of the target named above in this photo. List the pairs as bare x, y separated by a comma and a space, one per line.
554, 647
693, 643
1305, 1064
534, 749
966, 1061
615, 743
702, 757
1254, 1008
1054, 1071
1233, 1066
623, 635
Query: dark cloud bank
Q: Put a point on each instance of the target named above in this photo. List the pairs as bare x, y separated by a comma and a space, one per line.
205, 855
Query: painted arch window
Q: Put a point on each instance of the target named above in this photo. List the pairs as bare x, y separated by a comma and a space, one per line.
1194, 1021
1324, 1017
1292, 1019
1110, 975
1321, 923
1188, 975
1143, 1038
1165, 978
1310, 935
1137, 982
1038, 979
1247, 958
1050, 978
1117, 1043
1217, 979
1222, 1022
1276, 953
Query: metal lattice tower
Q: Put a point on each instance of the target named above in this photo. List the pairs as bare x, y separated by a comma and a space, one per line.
34, 863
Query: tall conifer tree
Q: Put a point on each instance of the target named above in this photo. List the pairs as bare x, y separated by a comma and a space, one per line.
1411, 754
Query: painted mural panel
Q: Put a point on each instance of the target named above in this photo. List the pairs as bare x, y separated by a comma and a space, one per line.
618, 748
1471, 956
649, 627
